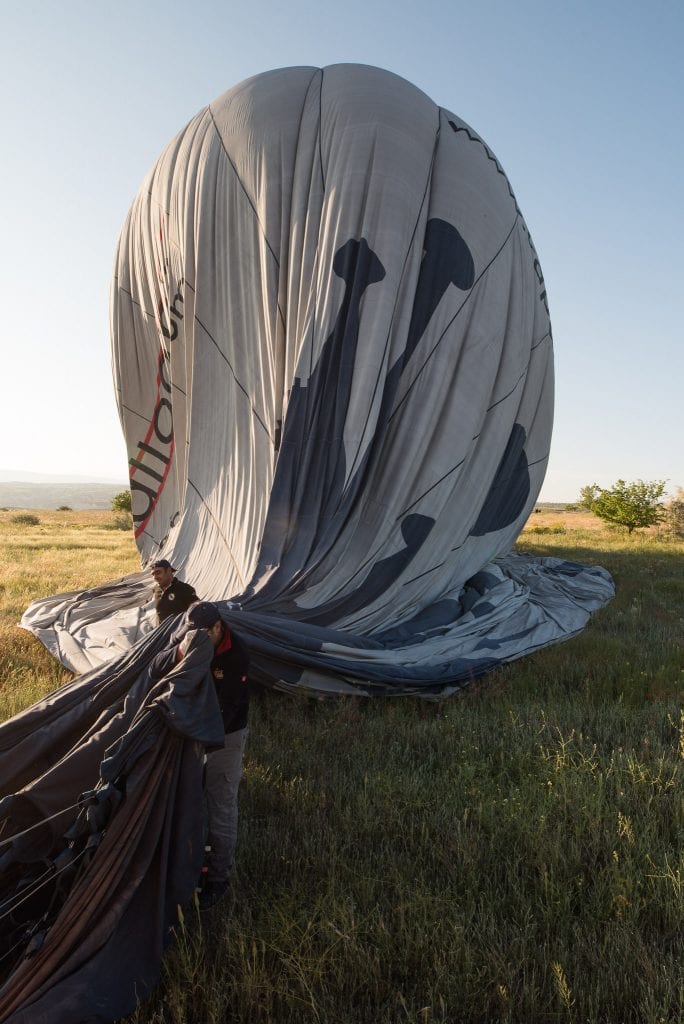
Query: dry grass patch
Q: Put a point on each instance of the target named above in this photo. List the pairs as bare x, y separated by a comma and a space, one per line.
512, 856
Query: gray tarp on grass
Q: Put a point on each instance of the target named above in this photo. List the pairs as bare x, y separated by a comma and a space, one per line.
111, 764
333, 364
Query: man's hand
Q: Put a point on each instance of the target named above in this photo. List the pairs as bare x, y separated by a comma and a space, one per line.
184, 645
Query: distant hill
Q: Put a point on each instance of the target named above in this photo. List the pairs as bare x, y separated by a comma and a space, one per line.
77, 495
16, 476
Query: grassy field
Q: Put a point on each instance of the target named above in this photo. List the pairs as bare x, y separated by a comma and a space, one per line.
513, 855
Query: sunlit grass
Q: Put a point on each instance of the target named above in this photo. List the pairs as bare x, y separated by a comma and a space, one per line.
65, 551
512, 855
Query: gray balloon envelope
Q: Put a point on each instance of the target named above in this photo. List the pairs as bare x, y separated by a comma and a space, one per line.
334, 369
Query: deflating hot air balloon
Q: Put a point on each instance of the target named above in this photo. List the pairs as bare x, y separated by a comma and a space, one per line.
333, 364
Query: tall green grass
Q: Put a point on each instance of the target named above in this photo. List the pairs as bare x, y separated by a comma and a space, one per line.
513, 855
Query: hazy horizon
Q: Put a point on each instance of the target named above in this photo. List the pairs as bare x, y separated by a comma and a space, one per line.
13, 476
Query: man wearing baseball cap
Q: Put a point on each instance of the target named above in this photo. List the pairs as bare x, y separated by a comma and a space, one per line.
229, 669
171, 595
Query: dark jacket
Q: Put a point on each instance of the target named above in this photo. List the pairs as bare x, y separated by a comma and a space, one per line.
177, 597
230, 671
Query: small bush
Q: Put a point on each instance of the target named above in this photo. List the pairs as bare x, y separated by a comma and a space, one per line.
64, 508
121, 502
674, 513
558, 528
122, 522
25, 519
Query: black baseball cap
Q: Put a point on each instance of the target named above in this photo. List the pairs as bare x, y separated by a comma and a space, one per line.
162, 563
202, 615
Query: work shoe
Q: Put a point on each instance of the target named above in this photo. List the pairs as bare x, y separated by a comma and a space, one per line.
211, 894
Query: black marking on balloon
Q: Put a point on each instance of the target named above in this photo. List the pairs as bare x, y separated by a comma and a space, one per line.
312, 437
481, 582
318, 411
368, 561
414, 530
446, 329
482, 608
439, 236
435, 619
509, 490
446, 261
459, 464
386, 403
490, 156
148, 469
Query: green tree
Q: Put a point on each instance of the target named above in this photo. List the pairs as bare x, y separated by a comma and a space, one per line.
588, 496
121, 502
633, 505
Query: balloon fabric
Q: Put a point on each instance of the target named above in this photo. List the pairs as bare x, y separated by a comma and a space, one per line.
334, 370
333, 364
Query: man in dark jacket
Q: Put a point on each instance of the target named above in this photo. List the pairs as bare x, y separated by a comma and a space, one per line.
171, 595
229, 669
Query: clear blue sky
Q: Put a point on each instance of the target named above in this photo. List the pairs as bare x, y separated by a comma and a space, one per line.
582, 102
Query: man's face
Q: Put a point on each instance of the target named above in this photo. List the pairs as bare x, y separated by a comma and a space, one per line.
215, 633
162, 576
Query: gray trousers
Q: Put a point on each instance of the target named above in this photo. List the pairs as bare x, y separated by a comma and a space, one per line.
222, 781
